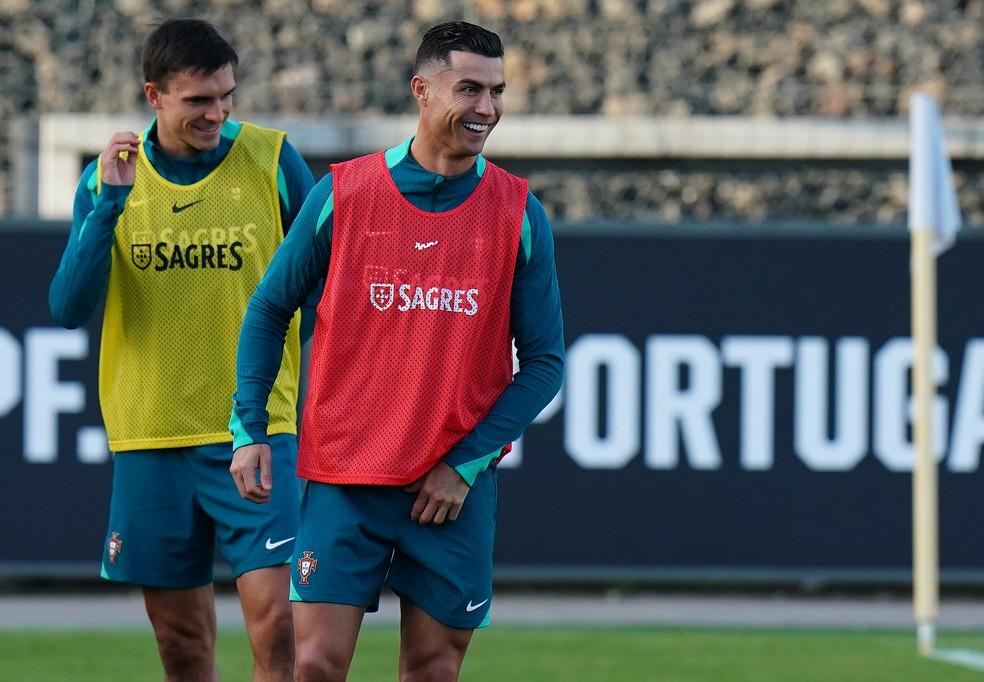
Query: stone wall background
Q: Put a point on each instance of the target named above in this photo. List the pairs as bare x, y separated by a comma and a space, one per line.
834, 58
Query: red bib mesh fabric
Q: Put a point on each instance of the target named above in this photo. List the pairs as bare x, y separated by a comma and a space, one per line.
412, 344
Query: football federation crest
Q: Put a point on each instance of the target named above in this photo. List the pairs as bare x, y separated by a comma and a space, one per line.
140, 253
381, 295
115, 546
306, 566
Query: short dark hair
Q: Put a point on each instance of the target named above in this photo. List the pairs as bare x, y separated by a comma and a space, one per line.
440, 41
179, 45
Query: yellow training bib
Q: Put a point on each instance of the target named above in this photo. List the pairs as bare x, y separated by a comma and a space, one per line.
185, 262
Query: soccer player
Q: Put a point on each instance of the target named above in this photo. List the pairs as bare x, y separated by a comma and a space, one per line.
176, 226
435, 260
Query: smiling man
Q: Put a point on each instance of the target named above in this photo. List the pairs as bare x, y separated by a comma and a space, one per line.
176, 226
436, 261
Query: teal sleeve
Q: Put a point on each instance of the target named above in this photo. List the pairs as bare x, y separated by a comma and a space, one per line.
297, 267
83, 272
538, 327
295, 182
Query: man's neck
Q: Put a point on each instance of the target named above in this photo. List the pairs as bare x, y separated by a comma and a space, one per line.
433, 158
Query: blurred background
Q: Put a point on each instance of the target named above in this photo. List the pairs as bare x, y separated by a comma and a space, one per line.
728, 185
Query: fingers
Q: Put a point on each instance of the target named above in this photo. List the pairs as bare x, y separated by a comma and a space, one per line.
245, 463
266, 472
418, 506
120, 143
429, 509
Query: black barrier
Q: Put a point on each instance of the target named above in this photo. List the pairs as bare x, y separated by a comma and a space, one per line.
735, 406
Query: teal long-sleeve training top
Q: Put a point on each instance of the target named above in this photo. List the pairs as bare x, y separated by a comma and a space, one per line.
302, 263
83, 273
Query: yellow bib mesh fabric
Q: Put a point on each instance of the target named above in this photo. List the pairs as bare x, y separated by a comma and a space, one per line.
185, 262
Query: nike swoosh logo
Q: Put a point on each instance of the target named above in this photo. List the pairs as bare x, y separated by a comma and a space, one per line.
471, 607
178, 209
273, 545
426, 245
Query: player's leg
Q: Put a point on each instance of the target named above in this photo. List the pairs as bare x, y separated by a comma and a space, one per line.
184, 626
343, 550
263, 595
429, 650
325, 636
443, 575
159, 538
257, 540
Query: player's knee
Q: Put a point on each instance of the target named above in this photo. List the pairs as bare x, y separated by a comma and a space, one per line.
319, 666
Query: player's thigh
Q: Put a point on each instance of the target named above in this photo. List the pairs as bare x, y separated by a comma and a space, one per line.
266, 610
158, 535
344, 544
324, 638
428, 648
184, 622
446, 570
250, 535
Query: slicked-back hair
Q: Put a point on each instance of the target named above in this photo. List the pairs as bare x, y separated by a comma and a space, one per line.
440, 41
179, 45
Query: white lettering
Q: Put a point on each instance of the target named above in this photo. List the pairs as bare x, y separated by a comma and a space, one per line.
404, 294
844, 450
10, 372
585, 358
46, 396
894, 405
671, 407
470, 295
968, 418
758, 357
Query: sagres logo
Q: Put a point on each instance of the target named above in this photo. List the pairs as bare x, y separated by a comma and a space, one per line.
306, 566
381, 295
140, 246
114, 546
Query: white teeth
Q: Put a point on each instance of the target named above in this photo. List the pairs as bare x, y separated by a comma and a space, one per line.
476, 127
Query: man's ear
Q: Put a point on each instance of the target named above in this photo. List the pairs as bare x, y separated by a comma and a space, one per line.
153, 93
420, 89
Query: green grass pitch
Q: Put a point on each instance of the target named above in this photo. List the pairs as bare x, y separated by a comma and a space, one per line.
536, 654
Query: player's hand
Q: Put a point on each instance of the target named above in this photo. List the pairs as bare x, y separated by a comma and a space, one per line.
117, 170
440, 494
245, 462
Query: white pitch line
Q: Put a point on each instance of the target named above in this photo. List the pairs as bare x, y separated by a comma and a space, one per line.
962, 657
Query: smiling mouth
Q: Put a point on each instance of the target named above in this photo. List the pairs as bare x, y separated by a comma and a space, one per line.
476, 127
207, 130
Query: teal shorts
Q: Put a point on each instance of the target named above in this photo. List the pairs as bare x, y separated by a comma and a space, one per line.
353, 539
169, 507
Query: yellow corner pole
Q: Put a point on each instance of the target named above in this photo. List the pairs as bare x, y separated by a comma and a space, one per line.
925, 525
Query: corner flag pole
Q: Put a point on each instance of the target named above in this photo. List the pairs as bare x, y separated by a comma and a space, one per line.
933, 221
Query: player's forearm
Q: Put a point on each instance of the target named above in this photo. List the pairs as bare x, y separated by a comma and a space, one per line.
532, 388
258, 359
83, 272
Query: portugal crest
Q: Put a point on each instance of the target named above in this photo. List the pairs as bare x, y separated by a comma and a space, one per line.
114, 545
140, 253
306, 566
381, 295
